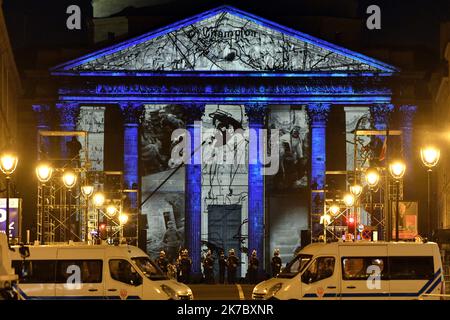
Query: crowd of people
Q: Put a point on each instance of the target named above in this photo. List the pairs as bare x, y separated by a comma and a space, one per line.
228, 267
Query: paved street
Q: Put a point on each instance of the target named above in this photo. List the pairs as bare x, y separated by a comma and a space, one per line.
222, 291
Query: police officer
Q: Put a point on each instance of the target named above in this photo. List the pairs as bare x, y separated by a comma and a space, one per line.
253, 268
163, 262
276, 263
222, 267
185, 266
208, 268
232, 264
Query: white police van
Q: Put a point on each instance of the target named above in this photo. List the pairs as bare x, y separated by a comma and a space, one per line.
81, 271
359, 270
7, 276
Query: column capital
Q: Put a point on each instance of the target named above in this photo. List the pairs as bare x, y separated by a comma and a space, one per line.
408, 112
68, 113
256, 112
318, 112
131, 111
194, 112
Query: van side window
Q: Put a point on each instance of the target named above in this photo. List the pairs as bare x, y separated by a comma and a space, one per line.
360, 268
411, 268
90, 270
321, 268
35, 271
121, 270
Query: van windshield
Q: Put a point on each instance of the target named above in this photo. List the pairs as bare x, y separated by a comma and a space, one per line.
149, 268
297, 265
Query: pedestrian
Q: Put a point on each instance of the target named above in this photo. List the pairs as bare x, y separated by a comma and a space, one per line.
232, 264
185, 265
253, 268
208, 268
163, 262
222, 267
276, 263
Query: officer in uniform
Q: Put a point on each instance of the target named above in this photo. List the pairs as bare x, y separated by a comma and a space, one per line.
253, 268
185, 266
163, 262
232, 264
208, 268
276, 263
222, 267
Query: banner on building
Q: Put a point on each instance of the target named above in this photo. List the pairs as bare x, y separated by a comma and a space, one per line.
15, 216
408, 219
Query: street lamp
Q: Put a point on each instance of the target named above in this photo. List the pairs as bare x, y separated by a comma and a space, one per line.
356, 190
69, 179
8, 163
372, 179
98, 200
325, 220
111, 210
334, 209
87, 191
430, 158
397, 169
44, 173
349, 200
123, 219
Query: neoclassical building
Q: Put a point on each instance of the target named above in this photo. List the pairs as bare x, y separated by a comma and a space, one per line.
213, 73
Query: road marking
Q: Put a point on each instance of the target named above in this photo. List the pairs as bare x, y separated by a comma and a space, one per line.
241, 293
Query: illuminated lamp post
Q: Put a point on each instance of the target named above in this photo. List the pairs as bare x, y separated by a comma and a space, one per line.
397, 170
44, 173
430, 158
111, 211
69, 179
8, 164
99, 200
372, 179
87, 191
123, 219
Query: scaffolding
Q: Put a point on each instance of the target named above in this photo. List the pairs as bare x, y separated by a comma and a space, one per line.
61, 212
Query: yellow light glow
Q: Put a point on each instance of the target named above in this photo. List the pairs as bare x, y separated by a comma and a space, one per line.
98, 199
8, 163
87, 190
356, 190
349, 199
44, 172
69, 179
111, 210
430, 156
123, 218
334, 209
372, 177
397, 169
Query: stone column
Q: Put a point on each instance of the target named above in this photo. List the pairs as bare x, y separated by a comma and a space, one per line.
256, 114
68, 115
131, 116
318, 115
193, 185
42, 124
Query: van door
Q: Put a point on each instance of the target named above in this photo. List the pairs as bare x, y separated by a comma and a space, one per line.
123, 280
320, 280
413, 271
364, 272
79, 274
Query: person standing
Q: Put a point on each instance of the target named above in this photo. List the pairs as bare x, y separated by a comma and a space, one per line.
222, 267
232, 264
163, 262
276, 263
208, 268
253, 268
185, 267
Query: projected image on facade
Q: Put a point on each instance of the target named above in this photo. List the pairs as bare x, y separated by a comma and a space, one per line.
224, 176
287, 191
165, 209
92, 120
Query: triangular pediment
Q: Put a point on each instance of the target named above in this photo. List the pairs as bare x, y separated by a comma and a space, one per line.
225, 40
